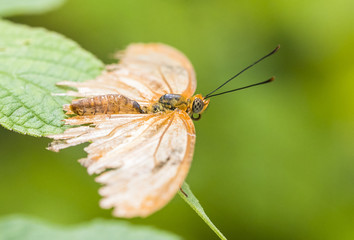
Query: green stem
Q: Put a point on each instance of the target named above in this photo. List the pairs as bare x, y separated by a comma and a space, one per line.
189, 197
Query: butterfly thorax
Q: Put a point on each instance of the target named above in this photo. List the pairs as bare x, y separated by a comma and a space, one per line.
168, 102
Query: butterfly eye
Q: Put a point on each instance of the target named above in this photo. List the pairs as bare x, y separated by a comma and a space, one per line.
198, 105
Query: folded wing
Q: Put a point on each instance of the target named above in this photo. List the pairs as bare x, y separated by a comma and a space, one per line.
142, 160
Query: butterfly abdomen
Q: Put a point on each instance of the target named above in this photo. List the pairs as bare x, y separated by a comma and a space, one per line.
104, 104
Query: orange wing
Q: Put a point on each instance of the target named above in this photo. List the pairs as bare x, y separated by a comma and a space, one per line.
145, 72
142, 159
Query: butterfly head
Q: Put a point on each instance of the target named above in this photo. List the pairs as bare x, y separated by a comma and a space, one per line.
198, 105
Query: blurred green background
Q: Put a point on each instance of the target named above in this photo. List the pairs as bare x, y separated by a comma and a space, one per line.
272, 162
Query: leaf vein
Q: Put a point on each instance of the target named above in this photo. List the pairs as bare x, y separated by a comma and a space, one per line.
24, 105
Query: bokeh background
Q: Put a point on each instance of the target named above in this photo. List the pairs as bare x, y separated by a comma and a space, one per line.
272, 162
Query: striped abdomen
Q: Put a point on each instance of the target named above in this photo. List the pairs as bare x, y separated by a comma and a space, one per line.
105, 104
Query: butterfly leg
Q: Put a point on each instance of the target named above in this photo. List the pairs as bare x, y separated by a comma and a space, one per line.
185, 194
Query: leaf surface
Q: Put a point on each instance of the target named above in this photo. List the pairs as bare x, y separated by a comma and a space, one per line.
32, 60
20, 7
27, 228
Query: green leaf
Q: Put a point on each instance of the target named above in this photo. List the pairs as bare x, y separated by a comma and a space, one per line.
27, 228
193, 202
17, 7
32, 60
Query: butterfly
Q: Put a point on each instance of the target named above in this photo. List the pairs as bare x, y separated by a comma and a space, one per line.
138, 117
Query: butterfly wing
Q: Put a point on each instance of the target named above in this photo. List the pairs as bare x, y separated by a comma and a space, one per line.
145, 73
142, 160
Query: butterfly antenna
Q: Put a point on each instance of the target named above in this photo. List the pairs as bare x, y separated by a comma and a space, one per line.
252, 85
262, 58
